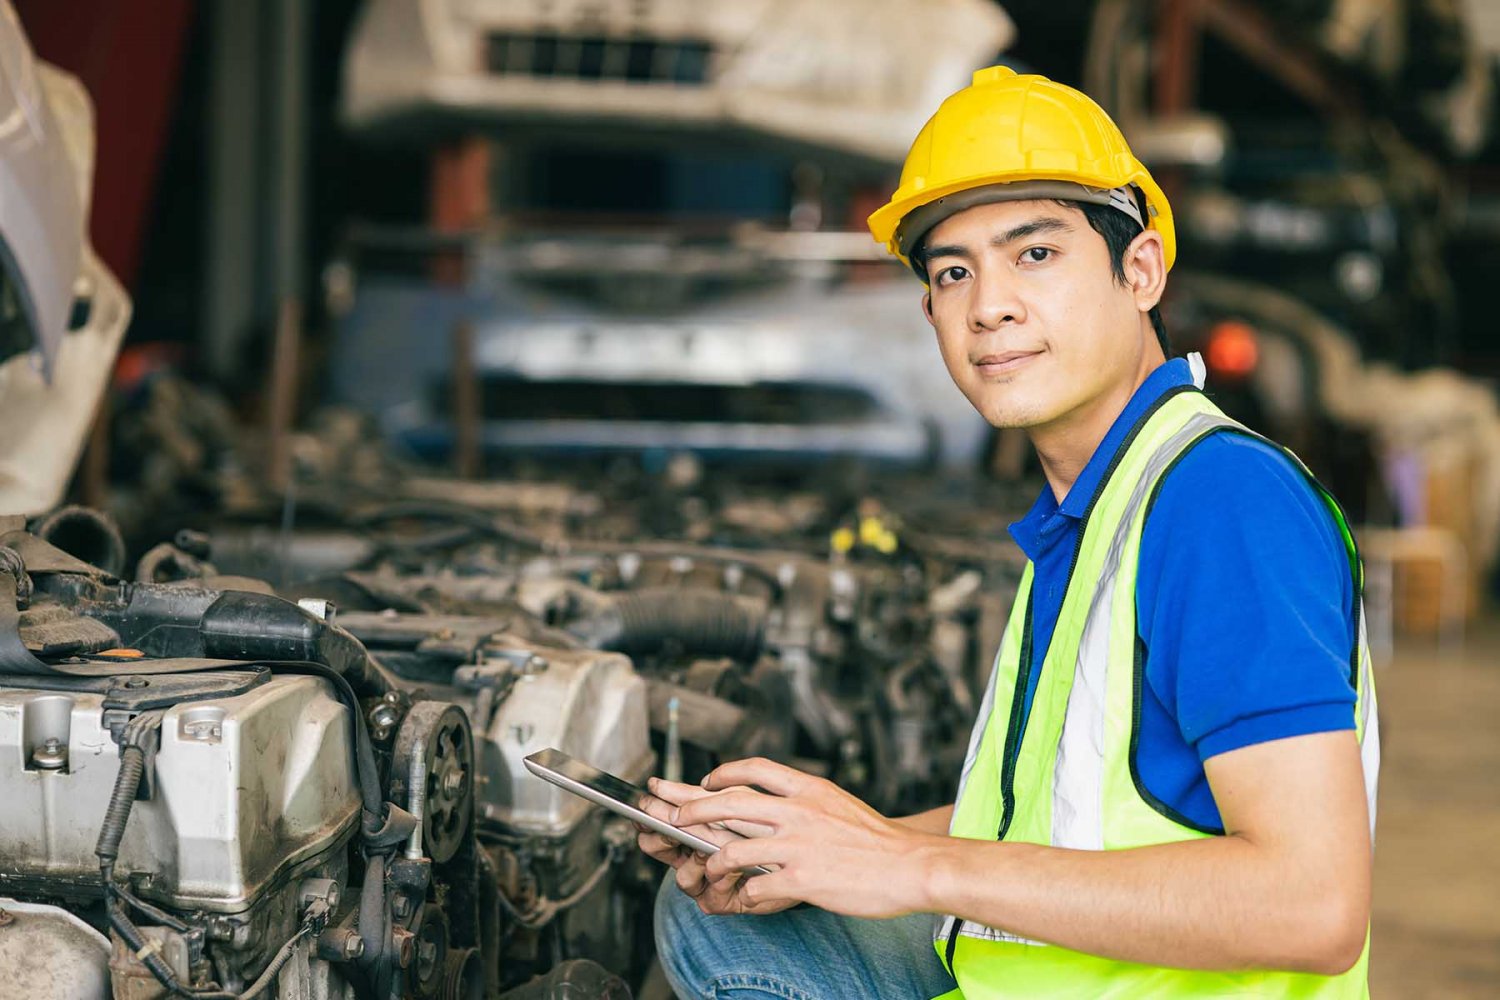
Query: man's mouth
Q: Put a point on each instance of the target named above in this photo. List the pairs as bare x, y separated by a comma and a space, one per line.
1004, 362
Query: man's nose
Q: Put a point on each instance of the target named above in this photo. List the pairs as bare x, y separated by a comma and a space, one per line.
996, 302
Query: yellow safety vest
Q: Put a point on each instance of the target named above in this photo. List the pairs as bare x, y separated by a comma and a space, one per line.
1054, 786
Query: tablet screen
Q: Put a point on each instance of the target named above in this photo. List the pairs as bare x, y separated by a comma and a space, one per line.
602, 782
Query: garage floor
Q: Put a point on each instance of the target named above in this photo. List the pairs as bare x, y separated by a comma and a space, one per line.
1437, 854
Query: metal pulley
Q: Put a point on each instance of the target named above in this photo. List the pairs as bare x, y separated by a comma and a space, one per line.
434, 764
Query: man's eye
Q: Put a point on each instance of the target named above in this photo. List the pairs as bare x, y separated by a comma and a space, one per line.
948, 275
1035, 255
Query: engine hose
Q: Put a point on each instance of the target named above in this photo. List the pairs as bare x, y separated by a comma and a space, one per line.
702, 623
127, 783
86, 533
371, 920
121, 800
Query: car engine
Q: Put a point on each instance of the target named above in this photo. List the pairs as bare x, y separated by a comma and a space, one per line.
213, 791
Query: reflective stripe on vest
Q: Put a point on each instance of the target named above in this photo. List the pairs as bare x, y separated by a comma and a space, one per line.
1070, 779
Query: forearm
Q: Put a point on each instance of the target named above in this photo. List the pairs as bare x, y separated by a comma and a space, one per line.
1221, 903
931, 821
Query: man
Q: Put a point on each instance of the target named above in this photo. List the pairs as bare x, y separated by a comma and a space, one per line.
1170, 788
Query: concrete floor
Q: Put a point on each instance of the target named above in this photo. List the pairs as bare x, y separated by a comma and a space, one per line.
1437, 850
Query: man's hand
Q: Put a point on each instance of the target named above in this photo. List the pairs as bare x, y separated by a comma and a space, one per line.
828, 848
718, 898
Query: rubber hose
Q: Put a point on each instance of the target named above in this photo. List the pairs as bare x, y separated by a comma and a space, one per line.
121, 800
702, 623
87, 534
371, 920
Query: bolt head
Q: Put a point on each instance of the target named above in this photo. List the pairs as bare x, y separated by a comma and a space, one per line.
136, 683
406, 946
50, 756
354, 946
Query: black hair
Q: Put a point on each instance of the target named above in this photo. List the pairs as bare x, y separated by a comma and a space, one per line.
1118, 231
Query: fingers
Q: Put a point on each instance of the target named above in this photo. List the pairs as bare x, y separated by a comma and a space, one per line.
778, 779
766, 810
661, 848
666, 794
657, 808
721, 896
769, 892
752, 894
675, 792
690, 876
743, 828
736, 857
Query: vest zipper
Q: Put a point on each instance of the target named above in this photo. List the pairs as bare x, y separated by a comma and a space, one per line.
1009, 754
1023, 681
1023, 675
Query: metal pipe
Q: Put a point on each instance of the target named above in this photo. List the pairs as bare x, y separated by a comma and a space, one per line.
416, 799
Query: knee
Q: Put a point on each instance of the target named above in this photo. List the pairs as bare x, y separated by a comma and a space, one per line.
678, 926
738, 956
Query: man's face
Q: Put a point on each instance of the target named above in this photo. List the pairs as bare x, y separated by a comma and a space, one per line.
1030, 319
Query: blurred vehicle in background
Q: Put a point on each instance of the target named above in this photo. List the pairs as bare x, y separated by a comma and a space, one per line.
651, 276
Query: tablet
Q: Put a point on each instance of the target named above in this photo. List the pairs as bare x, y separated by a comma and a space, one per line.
615, 794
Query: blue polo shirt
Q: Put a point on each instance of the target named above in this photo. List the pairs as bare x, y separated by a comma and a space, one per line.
1244, 602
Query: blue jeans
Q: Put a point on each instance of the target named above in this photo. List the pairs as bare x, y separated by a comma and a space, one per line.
801, 954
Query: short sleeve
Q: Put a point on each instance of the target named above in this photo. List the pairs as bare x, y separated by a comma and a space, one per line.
1245, 600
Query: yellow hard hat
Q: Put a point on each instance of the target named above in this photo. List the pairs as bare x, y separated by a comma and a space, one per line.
1007, 137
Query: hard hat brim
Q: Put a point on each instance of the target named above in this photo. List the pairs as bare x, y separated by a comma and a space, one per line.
923, 219
885, 221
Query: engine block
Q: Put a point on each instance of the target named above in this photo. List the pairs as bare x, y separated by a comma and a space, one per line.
245, 787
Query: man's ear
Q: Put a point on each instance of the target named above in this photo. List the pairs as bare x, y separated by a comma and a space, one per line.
927, 307
1146, 270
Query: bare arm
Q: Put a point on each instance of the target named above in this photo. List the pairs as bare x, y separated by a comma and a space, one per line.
932, 821
1287, 888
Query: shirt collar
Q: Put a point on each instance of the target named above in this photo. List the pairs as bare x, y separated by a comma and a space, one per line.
1030, 531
